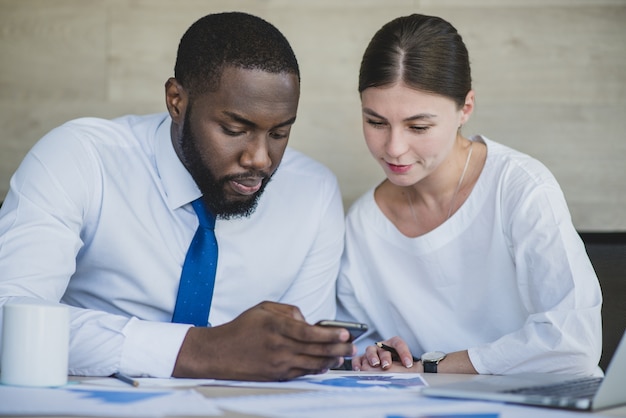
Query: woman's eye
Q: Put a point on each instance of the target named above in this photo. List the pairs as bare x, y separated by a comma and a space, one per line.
420, 129
375, 123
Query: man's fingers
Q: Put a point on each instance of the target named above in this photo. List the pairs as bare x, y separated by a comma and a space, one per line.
270, 341
283, 309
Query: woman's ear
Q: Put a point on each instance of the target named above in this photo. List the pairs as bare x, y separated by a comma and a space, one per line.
176, 99
468, 107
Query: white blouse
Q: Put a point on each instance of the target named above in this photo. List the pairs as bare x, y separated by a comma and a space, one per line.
506, 277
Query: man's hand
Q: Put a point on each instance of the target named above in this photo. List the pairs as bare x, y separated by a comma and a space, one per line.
270, 341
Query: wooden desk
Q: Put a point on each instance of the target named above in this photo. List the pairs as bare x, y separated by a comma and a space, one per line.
432, 379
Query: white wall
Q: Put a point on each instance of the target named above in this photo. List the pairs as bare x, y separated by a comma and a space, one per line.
550, 78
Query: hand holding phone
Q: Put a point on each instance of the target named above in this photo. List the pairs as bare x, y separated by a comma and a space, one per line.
356, 329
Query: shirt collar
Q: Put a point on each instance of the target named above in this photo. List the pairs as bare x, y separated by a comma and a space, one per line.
179, 186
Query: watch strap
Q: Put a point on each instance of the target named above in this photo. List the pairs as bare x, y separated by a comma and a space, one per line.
430, 366
431, 359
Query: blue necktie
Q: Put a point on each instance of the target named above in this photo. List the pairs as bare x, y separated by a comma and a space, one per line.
197, 280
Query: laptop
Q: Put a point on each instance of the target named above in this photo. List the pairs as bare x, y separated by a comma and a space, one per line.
549, 390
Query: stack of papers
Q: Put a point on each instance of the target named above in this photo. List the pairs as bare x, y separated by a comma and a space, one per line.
84, 400
334, 394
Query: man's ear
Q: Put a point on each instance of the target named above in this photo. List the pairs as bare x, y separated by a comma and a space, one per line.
176, 99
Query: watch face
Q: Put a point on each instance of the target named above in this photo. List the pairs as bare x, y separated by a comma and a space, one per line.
433, 356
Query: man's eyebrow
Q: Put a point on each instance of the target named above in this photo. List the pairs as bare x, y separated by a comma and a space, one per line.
419, 116
240, 119
288, 122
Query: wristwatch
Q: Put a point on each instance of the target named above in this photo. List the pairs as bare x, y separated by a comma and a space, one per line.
431, 359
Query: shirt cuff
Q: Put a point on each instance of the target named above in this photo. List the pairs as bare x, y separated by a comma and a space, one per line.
477, 362
151, 348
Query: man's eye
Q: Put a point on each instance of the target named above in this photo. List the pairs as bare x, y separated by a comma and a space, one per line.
231, 132
278, 135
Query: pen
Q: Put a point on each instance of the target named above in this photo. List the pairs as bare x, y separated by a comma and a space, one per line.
394, 353
126, 379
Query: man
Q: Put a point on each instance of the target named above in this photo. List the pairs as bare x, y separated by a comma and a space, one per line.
99, 216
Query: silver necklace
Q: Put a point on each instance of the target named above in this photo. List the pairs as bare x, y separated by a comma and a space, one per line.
456, 191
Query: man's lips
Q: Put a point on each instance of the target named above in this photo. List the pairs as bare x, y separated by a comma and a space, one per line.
247, 186
398, 169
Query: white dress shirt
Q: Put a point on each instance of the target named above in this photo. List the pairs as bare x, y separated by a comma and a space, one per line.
98, 216
506, 277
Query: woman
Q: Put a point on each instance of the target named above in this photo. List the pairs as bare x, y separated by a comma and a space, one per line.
465, 255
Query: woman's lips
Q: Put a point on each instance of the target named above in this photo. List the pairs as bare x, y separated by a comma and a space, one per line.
247, 187
398, 169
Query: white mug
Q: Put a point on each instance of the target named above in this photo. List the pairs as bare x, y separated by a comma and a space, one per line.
35, 343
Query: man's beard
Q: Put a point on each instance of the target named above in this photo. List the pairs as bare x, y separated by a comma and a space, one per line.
213, 188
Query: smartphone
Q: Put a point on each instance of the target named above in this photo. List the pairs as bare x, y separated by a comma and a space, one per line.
356, 329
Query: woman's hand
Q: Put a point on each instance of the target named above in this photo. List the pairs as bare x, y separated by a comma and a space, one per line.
377, 358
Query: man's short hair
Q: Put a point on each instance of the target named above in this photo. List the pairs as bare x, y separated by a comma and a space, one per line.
230, 39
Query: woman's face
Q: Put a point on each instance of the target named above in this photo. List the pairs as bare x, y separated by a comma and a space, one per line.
409, 132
